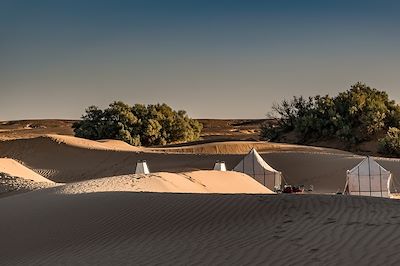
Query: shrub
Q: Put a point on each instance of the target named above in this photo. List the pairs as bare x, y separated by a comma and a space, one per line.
353, 116
138, 125
390, 144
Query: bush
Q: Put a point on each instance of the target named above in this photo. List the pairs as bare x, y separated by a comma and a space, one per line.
390, 144
138, 125
353, 116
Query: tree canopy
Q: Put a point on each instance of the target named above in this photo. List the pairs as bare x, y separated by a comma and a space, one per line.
153, 124
359, 114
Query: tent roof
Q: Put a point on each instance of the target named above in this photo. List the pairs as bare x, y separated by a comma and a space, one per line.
368, 162
254, 155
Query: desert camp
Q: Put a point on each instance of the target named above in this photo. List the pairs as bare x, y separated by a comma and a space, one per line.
182, 191
199, 132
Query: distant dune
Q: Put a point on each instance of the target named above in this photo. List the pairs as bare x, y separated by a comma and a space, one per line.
69, 159
107, 144
243, 147
213, 130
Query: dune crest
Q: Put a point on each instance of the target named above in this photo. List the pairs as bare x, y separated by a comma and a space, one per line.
189, 182
14, 168
106, 144
241, 147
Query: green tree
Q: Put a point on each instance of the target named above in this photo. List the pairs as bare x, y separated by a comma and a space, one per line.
390, 144
355, 115
92, 124
139, 124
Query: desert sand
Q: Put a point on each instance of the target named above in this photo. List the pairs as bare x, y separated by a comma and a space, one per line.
17, 178
14, 168
189, 182
184, 213
68, 159
243, 147
120, 228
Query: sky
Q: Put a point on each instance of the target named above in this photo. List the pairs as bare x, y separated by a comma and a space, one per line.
214, 59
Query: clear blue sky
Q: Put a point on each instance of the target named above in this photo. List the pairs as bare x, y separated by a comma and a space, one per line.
216, 59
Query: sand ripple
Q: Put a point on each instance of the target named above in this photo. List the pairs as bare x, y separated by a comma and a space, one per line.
157, 228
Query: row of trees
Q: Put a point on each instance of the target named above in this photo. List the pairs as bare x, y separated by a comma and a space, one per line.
359, 114
138, 125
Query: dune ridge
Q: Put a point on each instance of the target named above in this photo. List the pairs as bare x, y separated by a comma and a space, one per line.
16, 178
221, 147
243, 147
189, 182
63, 162
106, 144
14, 168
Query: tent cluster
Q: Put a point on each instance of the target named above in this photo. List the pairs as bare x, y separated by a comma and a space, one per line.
252, 165
368, 178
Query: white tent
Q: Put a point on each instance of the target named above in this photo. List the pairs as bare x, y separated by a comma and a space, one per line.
220, 166
254, 166
368, 178
142, 168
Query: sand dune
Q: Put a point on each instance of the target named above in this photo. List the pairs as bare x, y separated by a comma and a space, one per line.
110, 218
14, 168
107, 144
190, 182
68, 159
12, 185
225, 147
243, 147
16, 178
159, 228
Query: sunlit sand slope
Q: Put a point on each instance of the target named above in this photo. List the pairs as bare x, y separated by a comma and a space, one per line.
190, 182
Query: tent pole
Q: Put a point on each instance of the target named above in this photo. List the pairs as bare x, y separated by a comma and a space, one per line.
380, 180
244, 159
264, 176
254, 170
369, 175
274, 180
359, 184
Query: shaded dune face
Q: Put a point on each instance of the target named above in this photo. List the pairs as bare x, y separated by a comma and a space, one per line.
66, 163
159, 228
62, 162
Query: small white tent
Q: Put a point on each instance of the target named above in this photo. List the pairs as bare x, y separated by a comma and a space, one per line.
254, 166
368, 178
220, 166
142, 168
